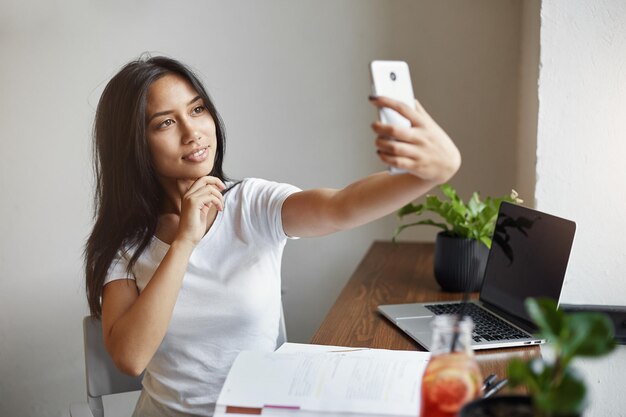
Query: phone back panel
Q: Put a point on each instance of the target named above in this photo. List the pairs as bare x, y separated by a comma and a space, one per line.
392, 79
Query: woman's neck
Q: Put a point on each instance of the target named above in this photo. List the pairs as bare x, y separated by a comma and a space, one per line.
169, 218
173, 191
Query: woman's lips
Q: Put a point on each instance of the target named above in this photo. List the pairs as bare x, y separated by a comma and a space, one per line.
198, 155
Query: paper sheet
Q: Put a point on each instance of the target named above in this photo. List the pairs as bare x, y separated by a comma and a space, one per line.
326, 379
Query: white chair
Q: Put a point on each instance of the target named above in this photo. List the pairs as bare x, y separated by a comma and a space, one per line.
103, 377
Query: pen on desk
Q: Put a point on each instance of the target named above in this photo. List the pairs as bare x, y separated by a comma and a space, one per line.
488, 381
496, 387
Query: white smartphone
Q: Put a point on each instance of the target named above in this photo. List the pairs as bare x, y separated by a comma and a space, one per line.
392, 79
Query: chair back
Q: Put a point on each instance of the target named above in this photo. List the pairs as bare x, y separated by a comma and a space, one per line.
103, 377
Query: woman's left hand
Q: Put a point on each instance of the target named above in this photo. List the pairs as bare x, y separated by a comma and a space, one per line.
424, 149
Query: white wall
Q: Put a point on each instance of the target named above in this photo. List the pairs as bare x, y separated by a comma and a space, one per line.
528, 101
581, 149
290, 79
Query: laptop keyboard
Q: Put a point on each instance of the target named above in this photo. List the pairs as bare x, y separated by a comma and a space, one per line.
487, 327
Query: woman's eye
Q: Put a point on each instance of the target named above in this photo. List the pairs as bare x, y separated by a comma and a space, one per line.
198, 110
166, 123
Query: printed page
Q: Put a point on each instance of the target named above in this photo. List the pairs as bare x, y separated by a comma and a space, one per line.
364, 381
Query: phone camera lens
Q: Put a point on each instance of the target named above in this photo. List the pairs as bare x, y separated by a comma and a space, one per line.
392, 76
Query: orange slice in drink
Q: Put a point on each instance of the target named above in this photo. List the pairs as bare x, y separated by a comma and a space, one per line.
451, 389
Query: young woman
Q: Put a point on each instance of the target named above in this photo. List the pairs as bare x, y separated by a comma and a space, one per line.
183, 265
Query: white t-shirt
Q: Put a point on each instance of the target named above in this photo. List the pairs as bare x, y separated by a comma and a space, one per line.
229, 301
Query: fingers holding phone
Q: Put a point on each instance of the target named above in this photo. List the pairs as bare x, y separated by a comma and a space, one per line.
392, 79
408, 139
423, 149
409, 114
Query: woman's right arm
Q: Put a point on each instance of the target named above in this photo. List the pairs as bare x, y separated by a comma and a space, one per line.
134, 324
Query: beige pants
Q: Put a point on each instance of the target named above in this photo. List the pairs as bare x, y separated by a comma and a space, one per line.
147, 407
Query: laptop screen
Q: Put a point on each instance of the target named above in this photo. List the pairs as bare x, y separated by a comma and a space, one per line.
528, 258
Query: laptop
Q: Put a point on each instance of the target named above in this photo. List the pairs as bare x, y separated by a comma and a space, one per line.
528, 258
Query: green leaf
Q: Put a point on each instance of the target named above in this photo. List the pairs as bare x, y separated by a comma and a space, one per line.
461, 230
519, 373
486, 240
475, 206
433, 203
591, 334
459, 207
566, 398
535, 374
487, 231
419, 223
449, 192
545, 315
450, 215
410, 209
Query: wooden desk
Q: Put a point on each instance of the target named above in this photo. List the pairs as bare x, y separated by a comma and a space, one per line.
393, 274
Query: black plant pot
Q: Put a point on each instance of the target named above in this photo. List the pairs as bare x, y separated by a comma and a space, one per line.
459, 263
499, 406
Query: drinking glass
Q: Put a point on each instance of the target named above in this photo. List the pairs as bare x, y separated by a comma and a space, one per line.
452, 377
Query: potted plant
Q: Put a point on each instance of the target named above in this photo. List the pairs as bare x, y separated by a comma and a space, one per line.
463, 245
556, 390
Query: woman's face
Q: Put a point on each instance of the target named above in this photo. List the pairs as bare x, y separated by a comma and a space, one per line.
179, 129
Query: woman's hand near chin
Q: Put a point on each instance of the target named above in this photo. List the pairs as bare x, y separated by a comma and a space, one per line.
424, 149
196, 202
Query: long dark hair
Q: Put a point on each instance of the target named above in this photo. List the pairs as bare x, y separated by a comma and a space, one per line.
128, 195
